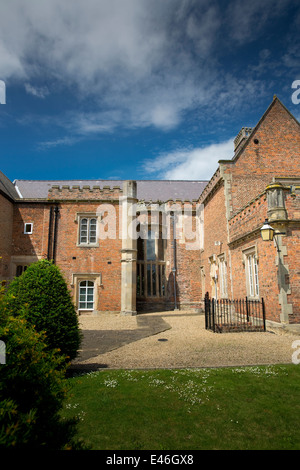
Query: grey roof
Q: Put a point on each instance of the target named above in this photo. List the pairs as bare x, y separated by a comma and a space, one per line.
147, 190
7, 187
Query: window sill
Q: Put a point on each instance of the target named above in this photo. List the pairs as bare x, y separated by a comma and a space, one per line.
87, 245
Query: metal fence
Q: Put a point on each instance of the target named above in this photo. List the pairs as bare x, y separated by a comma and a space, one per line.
225, 315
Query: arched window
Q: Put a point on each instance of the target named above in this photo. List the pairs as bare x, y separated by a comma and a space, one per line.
86, 295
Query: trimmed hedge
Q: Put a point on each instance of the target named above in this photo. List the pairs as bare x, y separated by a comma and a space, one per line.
42, 290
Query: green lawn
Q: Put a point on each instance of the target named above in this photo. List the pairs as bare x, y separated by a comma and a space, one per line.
228, 408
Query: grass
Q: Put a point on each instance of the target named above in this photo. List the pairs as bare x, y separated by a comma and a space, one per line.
229, 408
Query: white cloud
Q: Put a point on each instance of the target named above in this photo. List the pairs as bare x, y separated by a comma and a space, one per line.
57, 142
141, 62
39, 92
91, 123
190, 164
164, 116
149, 60
10, 64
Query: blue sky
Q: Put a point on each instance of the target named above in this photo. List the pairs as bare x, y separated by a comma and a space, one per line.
139, 89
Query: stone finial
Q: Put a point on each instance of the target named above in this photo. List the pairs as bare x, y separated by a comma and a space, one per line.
241, 137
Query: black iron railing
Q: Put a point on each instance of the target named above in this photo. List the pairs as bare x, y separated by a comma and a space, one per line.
234, 315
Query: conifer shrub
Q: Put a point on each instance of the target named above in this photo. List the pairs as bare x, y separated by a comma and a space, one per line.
44, 294
33, 388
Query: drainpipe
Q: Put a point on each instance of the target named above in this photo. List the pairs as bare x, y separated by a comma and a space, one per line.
175, 263
56, 214
50, 233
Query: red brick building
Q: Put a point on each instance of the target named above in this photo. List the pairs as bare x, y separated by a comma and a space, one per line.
127, 246
262, 181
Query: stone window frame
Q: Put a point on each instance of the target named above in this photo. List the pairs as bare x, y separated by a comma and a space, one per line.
21, 260
202, 277
96, 278
223, 275
89, 216
250, 261
213, 275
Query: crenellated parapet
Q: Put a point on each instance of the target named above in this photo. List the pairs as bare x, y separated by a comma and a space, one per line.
84, 192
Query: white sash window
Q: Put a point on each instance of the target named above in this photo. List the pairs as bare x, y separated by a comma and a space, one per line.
252, 275
86, 295
88, 231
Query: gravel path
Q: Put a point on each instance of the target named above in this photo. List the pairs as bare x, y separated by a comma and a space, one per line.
179, 341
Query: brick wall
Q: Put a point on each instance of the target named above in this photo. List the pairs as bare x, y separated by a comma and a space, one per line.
104, 259
244, 230
189, 290
6, 221
187, 248
277, 153
34, 244
236, 207
249, 218
293, 276
292, 243
215, 237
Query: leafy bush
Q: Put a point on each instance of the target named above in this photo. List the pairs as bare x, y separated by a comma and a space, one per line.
33, 388
44, 292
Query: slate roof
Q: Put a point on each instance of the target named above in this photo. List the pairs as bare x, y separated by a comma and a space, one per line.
147, 190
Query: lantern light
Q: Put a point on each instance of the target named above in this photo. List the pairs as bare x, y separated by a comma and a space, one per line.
267, 232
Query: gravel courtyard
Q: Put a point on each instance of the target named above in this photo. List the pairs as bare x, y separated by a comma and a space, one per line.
174, 340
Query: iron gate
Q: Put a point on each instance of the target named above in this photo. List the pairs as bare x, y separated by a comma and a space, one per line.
226, 315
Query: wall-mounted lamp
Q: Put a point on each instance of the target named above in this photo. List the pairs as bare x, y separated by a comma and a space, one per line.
268, 233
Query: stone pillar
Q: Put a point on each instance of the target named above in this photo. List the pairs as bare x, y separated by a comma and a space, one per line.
129, 249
